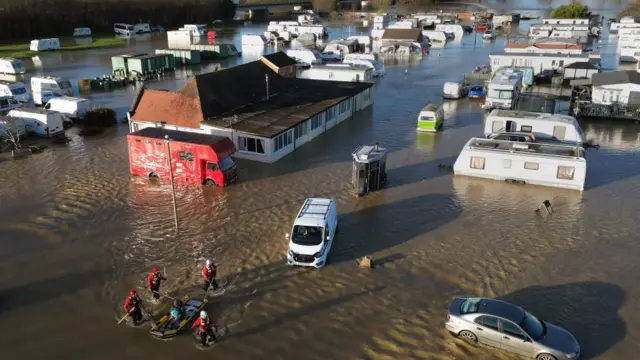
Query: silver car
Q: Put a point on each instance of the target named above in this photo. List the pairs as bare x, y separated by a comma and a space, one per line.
506, 326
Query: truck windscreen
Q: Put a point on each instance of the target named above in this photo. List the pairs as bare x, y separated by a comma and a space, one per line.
226, 163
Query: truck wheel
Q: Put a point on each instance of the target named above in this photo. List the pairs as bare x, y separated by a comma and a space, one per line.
210, 182
153, 176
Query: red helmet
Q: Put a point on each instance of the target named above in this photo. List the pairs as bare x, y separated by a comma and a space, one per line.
132, 292
154, 269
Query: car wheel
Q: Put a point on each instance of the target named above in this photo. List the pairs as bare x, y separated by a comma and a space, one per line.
546, 357
209, 182
154, 176
469, 336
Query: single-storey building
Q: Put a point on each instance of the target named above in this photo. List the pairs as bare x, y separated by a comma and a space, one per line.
621, 87
337, 72
545, 48
580, 70
395, 35
540, 62
266, 115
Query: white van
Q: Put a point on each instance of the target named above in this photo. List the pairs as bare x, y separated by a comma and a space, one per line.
15, 89
73, 107
544, 126
40, 122
453, 90
45, 44
123, 29
57, 86
306, 56
141, 28
8, 103
313, 233
12, 66
83, 31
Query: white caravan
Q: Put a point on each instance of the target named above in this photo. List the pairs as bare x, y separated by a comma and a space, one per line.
504, 90
437, 36
40, 122
45, 85
12, 66
454, 29
15, 89
628, 53
83, 31
628, 40
552, 165
123, 29
361, 59
73, 107
305, 56
402, 25
313, 233
44, 44
8, 103
543, 126
320, 31
195, 30
254, 40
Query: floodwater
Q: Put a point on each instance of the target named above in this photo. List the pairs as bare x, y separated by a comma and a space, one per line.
77, 231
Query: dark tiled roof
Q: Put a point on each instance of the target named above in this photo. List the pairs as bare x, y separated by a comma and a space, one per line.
180, 136
616, 77
402, 34
280, 59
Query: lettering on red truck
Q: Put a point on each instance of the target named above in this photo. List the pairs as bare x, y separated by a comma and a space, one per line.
195, 158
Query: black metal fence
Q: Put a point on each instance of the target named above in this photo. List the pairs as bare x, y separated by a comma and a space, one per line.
537, 102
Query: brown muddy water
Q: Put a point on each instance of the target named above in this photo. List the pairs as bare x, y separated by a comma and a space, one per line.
77, 231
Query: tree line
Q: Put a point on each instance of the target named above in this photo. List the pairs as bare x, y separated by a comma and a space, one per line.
32, 19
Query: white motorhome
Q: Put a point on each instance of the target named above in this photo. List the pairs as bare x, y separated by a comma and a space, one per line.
45, 44
15, 89
73, 107
437, 36
305, 56
504, 90
561, 166
254, 40
313, 233
454, 29
12, 66
83, 31
57, 86
428, 19
544, 126
195, 30
8, 103
141, 28
39, 121
123, 29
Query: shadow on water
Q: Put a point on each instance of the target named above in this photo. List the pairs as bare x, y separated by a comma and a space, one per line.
46, 290
589, 310
381, 227
413, 173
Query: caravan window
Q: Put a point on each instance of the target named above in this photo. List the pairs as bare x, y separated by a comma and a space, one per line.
559, 132
566, 172
477, 163
497, 126
531, 166
526, 128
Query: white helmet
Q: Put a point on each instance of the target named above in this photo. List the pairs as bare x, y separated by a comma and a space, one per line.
209, 262
203, 314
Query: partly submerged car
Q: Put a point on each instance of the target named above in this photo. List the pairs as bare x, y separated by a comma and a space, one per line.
476, 91
509, 327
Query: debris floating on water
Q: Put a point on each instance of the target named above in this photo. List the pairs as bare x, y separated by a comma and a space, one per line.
366, 262
545, 205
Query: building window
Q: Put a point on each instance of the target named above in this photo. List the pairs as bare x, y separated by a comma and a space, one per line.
251, 145
281, 141
316, 122
331, 113
342, 107
559, 132
561, 63
367, 95
300, 130
528, 62
531, 166
477, 163
186, 156
566, 172
495, 61
526, 128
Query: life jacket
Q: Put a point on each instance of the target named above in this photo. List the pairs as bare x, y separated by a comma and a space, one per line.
204, 325
156, 278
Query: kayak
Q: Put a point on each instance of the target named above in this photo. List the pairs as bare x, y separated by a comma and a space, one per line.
166, 328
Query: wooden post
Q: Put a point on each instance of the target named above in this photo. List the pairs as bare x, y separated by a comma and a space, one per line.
173, 188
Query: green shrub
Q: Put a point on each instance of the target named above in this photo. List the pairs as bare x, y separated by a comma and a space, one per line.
571, 11
100, 117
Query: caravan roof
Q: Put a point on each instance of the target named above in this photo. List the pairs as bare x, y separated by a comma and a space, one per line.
533, 115
543, 149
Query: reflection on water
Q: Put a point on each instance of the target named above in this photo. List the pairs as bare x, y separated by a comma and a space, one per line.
620, 135
83, 40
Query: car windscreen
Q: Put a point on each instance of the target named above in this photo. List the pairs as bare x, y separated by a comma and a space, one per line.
470, 306
532, 326
307, 235
226, 163
18, 91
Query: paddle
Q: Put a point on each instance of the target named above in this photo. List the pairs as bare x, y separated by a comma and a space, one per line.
124, 317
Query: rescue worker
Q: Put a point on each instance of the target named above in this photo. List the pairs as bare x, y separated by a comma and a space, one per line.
153, 282
209, 272
206, 328
133, 306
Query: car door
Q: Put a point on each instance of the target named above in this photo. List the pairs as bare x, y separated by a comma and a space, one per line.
515, 340
487, 330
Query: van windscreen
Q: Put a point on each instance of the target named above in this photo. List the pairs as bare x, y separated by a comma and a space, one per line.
307, 235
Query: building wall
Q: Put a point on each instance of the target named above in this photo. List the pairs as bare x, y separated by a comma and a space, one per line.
535, 50
336, 74
539, 63
608, 94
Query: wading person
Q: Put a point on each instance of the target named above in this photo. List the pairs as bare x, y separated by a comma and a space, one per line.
153, 282
133, 306
206, 328
209, 272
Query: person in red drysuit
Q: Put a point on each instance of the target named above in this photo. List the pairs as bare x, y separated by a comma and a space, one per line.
206, 328
153, 282
133, 306
209, 272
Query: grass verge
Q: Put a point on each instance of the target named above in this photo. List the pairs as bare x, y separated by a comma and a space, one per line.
22, 50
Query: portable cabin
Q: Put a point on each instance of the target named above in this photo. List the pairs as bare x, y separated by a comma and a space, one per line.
628, 40
119, 64
337, 72
216, 50
541, 164
150, 63
364, 41
83, 31
376, 66
185, 57
123, 29
12, 66
369, 169
16, 89
45, 44
628, 53
581, 70
402, 25
544, 126
431, 118
40, 122
183, 34
539, 62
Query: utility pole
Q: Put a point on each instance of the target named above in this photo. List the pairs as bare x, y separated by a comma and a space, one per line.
173, 187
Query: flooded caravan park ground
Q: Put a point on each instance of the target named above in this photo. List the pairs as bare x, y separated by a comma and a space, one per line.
77, 231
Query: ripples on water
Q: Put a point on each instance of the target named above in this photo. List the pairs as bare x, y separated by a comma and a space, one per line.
434, 236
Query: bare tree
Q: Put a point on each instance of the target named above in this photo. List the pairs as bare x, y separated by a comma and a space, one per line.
12, 131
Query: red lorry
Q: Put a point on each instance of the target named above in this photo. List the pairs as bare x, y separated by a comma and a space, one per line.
195, 158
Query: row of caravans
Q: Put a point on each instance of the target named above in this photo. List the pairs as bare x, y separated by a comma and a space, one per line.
313, 57
627, 22
128, 29
296, 29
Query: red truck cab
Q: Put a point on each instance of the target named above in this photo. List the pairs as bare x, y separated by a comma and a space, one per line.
195, 158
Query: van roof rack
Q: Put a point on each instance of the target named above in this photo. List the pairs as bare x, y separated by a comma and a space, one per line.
315, 208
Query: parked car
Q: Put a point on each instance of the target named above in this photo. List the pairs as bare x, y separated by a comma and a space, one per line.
488, 35
498, 28
514, 136
454, 90
476, 91
507, 326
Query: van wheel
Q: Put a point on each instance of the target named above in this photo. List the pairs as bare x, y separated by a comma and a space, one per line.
154, 176
210, 182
